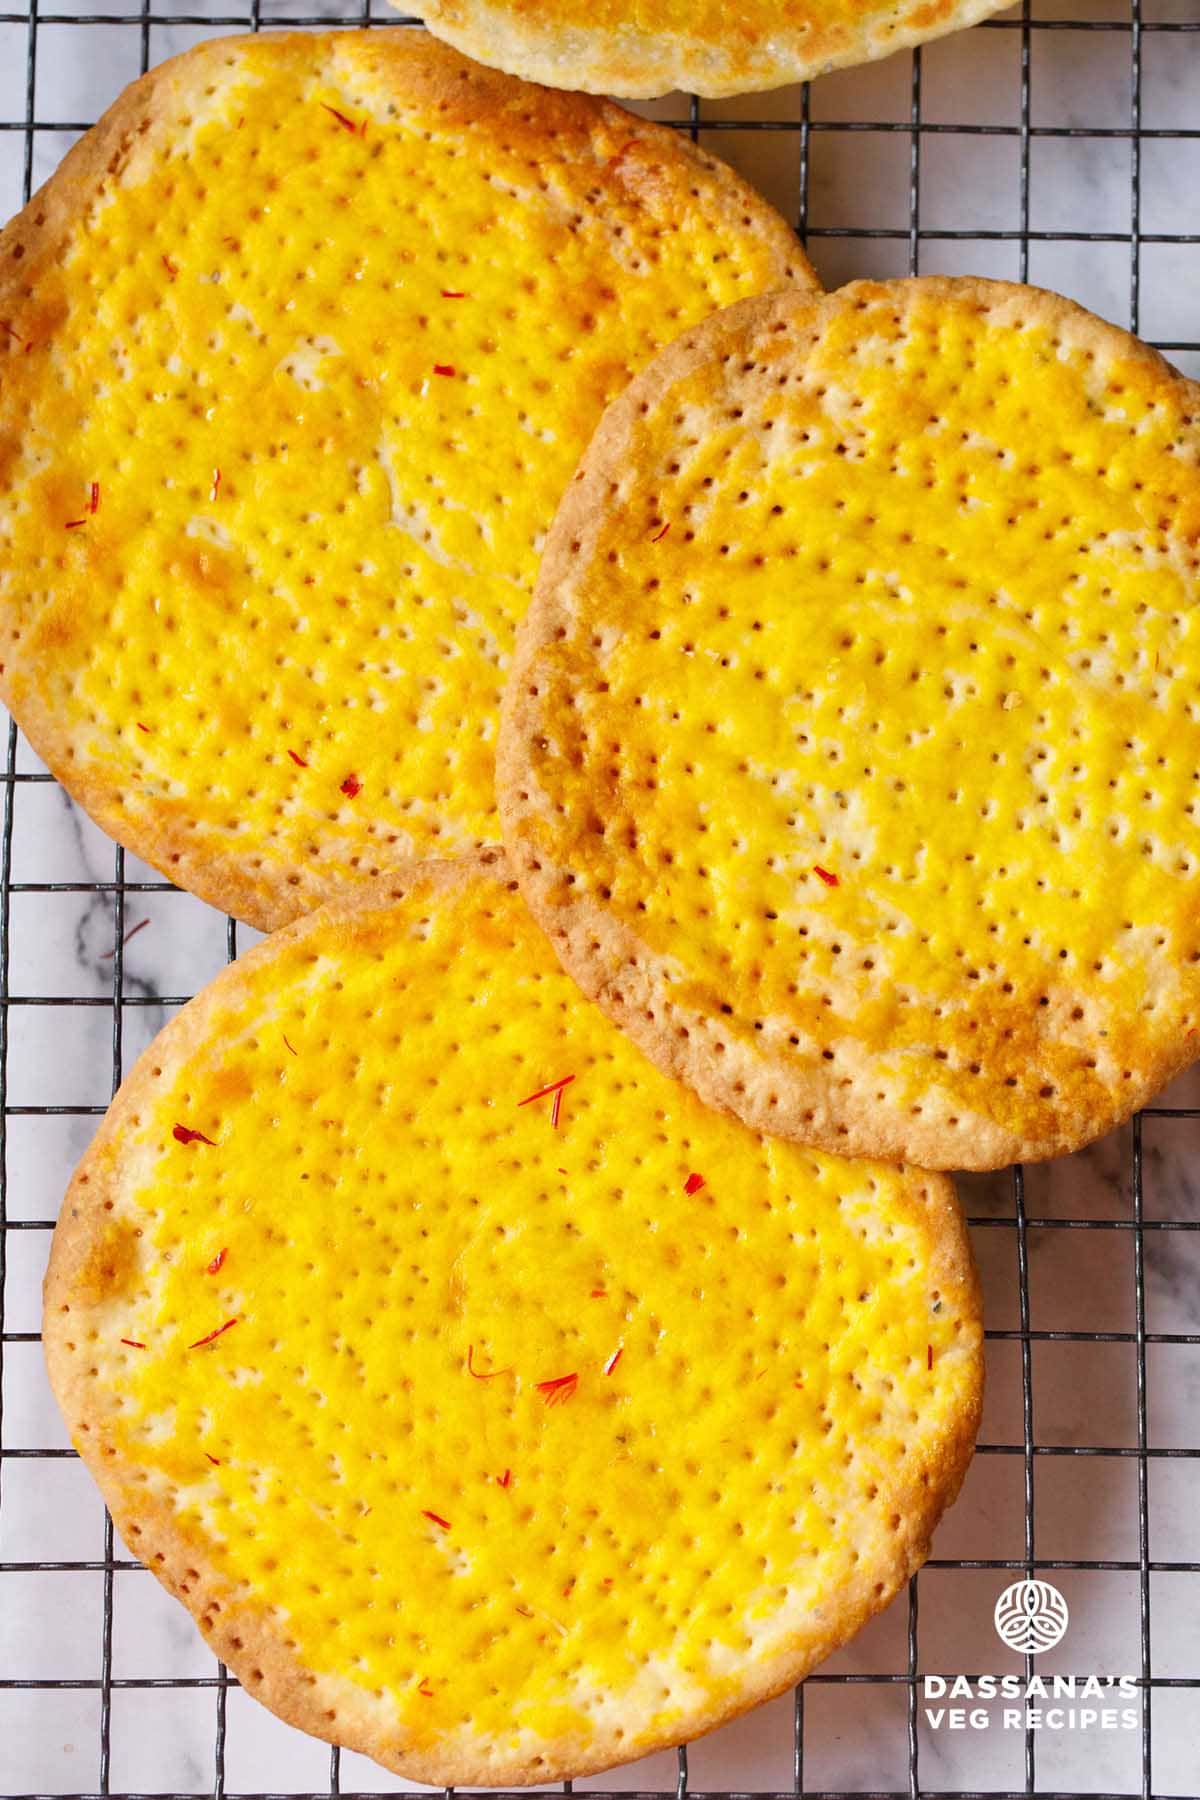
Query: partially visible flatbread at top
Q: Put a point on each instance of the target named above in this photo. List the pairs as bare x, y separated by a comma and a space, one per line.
706, 46
300, 345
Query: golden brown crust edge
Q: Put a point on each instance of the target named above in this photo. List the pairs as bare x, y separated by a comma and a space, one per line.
430, 73
605, 956
239, 1628
643, 64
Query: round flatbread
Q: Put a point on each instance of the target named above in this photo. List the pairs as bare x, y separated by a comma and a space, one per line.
851, 753
298, 349
495, 1407
705, 46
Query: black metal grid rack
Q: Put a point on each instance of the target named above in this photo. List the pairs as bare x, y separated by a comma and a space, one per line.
1010, 1211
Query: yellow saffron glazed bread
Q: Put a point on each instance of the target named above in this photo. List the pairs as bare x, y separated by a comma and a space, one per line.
495, 1407
851, 751
298, 349
708, 46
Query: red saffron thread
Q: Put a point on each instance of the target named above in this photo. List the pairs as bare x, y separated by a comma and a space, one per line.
555, 1088
550, 1087
200, 1342
297, 759
217, 1260
184, 1135
618, 155
660, 535
142, 727
74, 524
141, 925
472, 1370
424, 1689
216, 484
134, 1343
171, 268
559, 1388
289, 1044
797, 1384
526, 1612
929, 1356
351, 786
437, 1519
11, 332
345, 123
503, 1480
453, 294
613, 1360
94, 498
215, 1460
693, 1184
443, 368
599, 1294
825, 876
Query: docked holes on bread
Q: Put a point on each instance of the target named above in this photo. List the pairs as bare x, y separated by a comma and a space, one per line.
495, 1407
301, 345
851, 753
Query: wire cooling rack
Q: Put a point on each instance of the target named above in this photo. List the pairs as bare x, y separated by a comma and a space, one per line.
1060, 148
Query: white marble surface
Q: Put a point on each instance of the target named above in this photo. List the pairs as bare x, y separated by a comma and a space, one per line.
1084, 1394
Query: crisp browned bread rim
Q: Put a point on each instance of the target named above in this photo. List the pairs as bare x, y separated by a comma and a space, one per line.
605, 955
240, 1628
264, 890
641, 64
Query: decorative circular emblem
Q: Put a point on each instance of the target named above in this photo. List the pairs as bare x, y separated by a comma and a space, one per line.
1031, 1616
